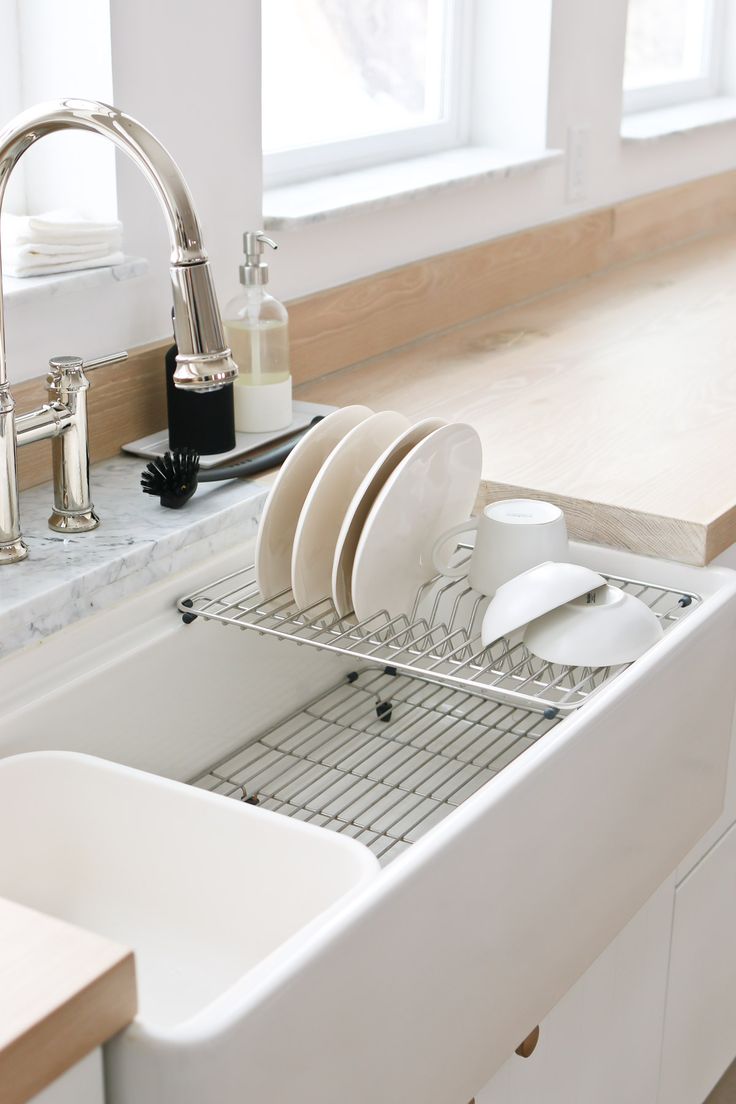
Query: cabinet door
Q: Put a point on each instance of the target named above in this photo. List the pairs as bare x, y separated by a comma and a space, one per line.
602, 1041
724, 822
700, 1021
728, 816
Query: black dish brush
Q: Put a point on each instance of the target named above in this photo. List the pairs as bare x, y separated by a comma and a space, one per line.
175, 476
172, 477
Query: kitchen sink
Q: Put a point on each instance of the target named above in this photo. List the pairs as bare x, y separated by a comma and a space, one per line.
416, 982
216, 898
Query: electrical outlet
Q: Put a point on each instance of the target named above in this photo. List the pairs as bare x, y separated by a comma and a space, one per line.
578, 148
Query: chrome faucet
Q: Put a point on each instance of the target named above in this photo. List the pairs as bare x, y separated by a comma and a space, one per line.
204, 362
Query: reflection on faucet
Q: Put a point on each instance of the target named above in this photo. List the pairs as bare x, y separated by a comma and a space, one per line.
204, 362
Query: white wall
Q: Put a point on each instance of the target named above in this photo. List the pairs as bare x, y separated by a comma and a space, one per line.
191, 72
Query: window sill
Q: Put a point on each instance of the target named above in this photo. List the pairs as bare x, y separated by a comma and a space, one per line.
37, 288
330, 197
647, 126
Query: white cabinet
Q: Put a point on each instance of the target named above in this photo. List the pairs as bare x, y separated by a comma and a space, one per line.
700, 1022
602, 1041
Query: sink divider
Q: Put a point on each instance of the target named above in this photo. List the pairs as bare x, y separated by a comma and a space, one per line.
381, 757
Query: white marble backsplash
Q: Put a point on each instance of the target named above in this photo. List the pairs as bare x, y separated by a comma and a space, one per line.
137, 543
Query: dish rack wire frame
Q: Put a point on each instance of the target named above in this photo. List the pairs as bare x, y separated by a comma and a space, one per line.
438, 640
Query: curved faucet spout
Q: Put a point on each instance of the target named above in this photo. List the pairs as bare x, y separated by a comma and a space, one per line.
204, 361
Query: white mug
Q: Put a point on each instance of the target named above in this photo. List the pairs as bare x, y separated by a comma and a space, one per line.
512, 536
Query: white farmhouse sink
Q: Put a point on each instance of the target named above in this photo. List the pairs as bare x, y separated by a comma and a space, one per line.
210, 894
418, 984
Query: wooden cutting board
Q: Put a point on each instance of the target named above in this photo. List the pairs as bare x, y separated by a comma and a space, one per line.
63, 992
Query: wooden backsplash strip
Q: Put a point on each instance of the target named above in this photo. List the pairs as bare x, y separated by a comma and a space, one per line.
338, 327
370, 316
662, 219
350, 323
126, 401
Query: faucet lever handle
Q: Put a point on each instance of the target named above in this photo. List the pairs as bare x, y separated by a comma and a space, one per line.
59, 364
100, 362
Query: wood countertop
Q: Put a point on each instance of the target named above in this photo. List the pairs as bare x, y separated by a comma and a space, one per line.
614, 396
63, 992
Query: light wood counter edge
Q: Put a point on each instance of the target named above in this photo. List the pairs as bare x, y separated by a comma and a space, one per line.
63, 992
646, 534
720, 535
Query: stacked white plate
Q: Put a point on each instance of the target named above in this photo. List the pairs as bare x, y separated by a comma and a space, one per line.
358, 505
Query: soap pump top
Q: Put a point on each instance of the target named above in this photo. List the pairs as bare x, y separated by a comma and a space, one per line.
255, 270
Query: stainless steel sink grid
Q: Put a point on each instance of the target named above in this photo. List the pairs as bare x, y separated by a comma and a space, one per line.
381, 757
439, 640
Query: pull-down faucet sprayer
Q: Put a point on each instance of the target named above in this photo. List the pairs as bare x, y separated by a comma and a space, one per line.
204, 362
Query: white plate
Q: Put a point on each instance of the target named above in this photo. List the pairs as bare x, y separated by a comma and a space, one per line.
432, 489
329, 497
360, 507
284, 503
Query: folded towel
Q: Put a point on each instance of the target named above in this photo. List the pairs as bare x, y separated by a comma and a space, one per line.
20, 264
58, 254
58, 241
61, 227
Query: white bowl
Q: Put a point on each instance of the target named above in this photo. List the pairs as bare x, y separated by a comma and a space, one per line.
602, 629
534, 593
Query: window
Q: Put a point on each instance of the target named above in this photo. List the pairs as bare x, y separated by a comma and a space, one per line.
49, 51
673, 52
348, 83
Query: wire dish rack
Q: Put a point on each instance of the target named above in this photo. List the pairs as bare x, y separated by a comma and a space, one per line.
437, 641
381, 757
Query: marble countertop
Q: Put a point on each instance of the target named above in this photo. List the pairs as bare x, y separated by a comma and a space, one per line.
137, 543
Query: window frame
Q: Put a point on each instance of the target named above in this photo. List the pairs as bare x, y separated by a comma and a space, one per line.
305, 163
673, 93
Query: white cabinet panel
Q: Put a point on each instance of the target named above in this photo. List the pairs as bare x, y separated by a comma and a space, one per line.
724, 822
700, 1024
601, 1042
728, 816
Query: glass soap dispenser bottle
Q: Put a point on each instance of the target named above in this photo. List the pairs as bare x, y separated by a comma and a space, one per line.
257, 329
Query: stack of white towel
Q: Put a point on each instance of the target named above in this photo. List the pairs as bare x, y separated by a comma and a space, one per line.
58, 241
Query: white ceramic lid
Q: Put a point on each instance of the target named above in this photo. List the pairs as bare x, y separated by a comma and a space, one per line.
603, 629
534, 593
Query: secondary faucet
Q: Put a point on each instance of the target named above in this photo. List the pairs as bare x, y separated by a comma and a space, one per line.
204, 362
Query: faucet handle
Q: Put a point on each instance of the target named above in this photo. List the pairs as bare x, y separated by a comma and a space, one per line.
59, 364
100, 362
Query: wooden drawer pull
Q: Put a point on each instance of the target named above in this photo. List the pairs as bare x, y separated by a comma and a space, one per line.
526, 1048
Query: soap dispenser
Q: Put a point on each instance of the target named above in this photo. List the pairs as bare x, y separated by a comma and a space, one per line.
257, 328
